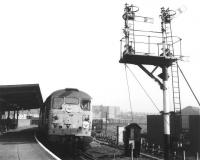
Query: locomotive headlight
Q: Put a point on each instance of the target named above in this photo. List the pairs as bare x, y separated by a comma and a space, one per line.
86, 124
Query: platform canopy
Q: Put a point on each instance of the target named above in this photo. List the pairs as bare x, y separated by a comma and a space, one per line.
25, 96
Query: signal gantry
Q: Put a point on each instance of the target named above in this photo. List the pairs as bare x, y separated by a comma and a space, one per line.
154, 48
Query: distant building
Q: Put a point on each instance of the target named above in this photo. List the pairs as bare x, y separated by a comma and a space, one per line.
100, 111
186, 112
190, 111
114, 113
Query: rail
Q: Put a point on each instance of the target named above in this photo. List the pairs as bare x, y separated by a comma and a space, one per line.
86, 156
150, 156
114, 146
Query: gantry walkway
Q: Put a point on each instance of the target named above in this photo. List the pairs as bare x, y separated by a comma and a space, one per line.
20, 144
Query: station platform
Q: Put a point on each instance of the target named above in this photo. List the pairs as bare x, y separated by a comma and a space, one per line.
20, 144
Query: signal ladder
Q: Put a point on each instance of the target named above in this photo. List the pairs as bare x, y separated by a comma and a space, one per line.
174, 73
176, 88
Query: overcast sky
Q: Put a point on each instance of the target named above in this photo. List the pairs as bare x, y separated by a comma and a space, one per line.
76, 44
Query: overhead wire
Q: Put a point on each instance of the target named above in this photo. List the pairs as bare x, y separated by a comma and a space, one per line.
130, 104
145, 91
188, 85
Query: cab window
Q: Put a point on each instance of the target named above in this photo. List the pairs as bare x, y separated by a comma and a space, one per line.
69, 100
85, 105
57, 103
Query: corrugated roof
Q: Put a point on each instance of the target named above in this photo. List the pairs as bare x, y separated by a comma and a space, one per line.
26, 96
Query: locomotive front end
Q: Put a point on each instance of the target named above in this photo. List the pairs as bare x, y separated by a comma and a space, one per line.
70, 114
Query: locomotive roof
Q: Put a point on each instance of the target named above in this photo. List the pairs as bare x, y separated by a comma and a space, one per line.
70, 92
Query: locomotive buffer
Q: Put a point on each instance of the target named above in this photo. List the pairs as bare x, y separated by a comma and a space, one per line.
141, 53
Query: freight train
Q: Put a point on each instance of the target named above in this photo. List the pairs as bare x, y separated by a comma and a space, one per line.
65, 117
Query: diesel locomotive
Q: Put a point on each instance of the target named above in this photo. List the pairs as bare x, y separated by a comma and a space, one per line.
66, 117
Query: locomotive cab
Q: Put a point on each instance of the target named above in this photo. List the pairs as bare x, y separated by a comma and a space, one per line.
66, 115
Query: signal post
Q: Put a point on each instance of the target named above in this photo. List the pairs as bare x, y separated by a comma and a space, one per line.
166, 115
164, 58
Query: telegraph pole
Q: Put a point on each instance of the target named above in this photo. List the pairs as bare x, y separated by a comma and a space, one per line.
106, 122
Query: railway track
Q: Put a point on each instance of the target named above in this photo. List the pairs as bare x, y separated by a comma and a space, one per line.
150, 156
85, 156
145, 155
57, 151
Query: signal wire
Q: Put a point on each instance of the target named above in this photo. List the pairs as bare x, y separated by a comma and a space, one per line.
143, 89
130, 104
188, 85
